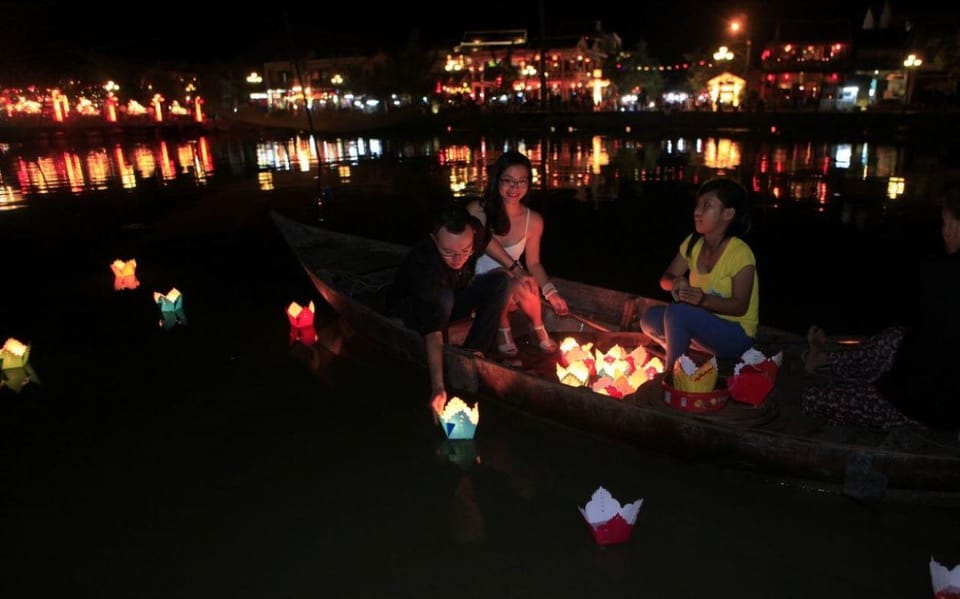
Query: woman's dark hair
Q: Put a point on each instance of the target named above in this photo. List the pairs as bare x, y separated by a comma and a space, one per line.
732, 195
497, 220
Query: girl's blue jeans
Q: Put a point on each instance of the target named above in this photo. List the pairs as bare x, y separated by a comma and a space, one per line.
675, 326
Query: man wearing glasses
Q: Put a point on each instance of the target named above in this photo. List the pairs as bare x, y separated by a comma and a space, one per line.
437, 284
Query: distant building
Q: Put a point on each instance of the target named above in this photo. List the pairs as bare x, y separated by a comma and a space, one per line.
886, 58
315, 82
507, 67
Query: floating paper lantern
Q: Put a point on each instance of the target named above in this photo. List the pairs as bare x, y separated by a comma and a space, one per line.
609, 522
946, 583
14, 354
125, 274
301, 323
171, 308
458, 420
300, 316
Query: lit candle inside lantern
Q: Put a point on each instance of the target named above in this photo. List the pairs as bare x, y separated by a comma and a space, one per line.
14, 354
125, 274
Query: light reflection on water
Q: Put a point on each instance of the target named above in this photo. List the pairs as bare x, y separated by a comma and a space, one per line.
599, 167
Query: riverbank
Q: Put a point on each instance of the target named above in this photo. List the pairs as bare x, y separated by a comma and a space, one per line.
869, 125
895, 125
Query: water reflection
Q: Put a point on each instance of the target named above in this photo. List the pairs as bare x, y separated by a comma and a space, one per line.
600, 168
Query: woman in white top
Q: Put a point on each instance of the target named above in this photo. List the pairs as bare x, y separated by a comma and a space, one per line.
518, 229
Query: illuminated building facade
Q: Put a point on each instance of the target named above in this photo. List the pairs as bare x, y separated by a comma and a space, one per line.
506, 67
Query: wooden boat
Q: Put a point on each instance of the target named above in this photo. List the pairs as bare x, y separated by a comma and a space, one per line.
774, 439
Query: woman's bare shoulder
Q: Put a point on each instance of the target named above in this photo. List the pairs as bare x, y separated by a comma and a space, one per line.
536, 219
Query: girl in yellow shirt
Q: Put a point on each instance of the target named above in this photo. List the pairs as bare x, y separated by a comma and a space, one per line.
713, 280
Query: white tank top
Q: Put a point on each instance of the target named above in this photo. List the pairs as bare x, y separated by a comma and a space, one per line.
485, 263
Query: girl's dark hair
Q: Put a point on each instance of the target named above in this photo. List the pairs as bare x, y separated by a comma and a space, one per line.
732, 195
497, 220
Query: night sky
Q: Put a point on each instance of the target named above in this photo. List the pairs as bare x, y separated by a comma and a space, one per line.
51, 34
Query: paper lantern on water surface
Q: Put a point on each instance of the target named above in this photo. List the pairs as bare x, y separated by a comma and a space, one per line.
171, 308
301, 323
300, 316
14, 354
125, 274
946, 583
609, 522
459, 421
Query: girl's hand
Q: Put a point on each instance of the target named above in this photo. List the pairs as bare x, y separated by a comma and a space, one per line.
558, 304
690, 295
679, 283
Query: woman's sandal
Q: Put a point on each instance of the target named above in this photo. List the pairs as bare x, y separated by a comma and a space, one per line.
508, 347
544, 342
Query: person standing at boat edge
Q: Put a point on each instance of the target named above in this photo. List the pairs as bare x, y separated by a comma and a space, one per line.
437, 283
713, 280
519, 231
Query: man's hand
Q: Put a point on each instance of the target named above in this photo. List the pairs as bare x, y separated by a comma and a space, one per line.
437, 403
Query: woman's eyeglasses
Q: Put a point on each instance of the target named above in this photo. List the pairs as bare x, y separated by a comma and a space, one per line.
514, 183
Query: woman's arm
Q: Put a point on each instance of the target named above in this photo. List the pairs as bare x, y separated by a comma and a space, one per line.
674, 277
531, 253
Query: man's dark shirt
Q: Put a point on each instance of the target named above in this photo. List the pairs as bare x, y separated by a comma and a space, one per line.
422, 275
924, 381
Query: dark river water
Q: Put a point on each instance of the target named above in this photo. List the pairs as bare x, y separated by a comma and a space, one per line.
215, 459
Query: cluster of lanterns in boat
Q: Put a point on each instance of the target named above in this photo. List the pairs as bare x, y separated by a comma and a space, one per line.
616, 373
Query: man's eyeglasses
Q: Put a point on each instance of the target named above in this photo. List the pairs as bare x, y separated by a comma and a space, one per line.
514, 183
448, 255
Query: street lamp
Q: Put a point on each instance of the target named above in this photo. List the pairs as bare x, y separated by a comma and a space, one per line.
911, 63
736, 28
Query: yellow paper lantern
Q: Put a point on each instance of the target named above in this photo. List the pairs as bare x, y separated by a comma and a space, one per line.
14, 354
